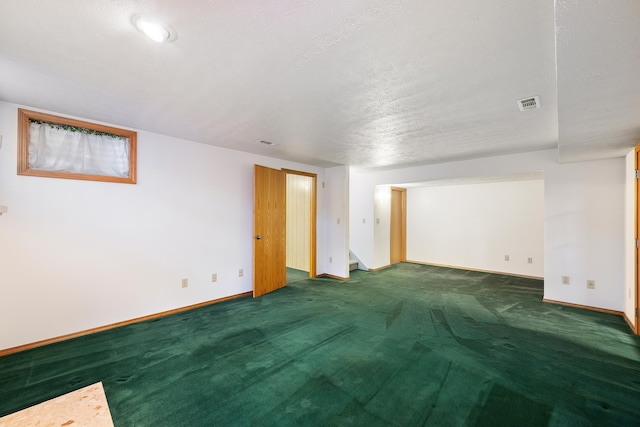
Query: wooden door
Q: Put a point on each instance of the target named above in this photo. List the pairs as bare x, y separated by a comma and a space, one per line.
398, 225
269, 218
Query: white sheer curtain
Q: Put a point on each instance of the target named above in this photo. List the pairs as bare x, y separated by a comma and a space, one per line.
62, 150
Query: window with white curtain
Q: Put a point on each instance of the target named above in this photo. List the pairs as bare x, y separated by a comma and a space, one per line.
59, 147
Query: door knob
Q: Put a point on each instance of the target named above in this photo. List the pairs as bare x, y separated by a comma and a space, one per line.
258, 237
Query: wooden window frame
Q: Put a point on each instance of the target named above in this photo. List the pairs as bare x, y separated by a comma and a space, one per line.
26, 116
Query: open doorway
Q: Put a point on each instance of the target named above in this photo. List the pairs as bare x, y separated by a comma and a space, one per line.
270, 228
301, 225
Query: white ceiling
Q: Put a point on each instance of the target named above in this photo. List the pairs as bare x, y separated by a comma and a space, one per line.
598, 63
369, 83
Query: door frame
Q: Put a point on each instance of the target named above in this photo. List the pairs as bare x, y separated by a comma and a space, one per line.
403, 219
636, 221
312, 217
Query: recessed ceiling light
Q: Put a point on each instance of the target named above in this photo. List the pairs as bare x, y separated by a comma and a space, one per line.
153, 28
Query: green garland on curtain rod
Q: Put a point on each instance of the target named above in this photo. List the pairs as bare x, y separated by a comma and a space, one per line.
75, 129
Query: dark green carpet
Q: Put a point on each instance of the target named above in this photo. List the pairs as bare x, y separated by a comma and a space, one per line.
409, 345
294, 275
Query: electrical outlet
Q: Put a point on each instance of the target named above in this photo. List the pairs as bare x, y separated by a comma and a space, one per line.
530, 260
591, 284
338, 221
506, 257
185, 283
330, 259
364, 220
214, 277
565, 280
240, 272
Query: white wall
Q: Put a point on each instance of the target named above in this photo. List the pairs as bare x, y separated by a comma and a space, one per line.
584, 232
336, 191
382, 224
76, 255
476, 225
629, 237
583, 219
361, 220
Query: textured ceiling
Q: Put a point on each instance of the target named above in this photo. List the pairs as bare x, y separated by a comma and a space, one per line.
598, 50
373, 84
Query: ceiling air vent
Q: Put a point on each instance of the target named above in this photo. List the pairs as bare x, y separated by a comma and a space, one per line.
529, 103
269, 143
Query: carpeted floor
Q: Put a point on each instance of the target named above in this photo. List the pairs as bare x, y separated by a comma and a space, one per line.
408, 345
294, 275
